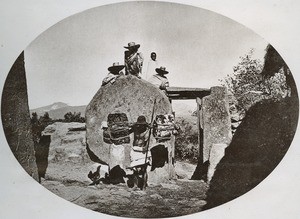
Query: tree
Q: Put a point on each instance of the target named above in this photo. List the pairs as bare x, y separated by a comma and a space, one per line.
73, 117
273, 63
34, 118
247, 85
38, 125
45, 119
186, 143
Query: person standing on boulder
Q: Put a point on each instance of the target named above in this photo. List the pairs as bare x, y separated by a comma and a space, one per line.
114, 72
159, 79
133, 60
152, 65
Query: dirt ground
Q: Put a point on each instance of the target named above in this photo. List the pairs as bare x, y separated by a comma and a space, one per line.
69, 165
178, 197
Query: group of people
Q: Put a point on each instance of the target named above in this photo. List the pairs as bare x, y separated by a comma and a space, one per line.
133, 64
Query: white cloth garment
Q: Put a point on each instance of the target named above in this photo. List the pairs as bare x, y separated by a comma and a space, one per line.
152, 65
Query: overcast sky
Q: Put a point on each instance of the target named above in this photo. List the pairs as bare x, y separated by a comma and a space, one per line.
68, 61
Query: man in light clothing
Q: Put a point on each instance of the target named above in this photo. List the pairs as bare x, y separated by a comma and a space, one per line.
159, 79
152, 65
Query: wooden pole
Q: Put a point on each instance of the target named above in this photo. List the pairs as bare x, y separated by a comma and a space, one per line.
200, 133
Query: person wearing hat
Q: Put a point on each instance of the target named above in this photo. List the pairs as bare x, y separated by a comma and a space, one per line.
114, 72
140, 131
139, 162
133, 60
159, 79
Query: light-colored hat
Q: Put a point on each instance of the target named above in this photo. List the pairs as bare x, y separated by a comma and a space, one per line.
116, 67
132, 45
161, 70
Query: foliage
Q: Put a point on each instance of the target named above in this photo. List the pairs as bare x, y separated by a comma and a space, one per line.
247, 85
73, 117
34, 118
38, 125
45, 119
186, 143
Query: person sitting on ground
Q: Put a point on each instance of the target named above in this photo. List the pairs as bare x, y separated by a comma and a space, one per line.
159, 79
114, 72
133, 60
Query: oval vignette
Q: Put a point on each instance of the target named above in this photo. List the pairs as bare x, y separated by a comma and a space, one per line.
53, 145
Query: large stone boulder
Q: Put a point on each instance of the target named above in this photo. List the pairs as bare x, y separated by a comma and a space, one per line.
259, 144
16, 117
134, 97
67, 142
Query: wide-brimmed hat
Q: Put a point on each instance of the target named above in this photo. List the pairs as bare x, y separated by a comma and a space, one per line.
161, 70
116, 67
141, 120
132, 45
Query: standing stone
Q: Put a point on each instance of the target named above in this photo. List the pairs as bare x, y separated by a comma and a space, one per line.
216, 120
116, 155
41, 155
16, 117
216, 153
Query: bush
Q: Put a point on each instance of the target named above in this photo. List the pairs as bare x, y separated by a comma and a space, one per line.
38, 125
73, 117
247, 86
186, 143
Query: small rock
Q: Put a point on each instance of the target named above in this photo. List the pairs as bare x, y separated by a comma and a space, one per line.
199, 203
59, 150
73, 155
235, 117
156, 196
122, 193
235, 124
170, 186
183, 202
139, 192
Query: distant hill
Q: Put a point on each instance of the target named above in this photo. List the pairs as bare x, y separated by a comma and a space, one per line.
58, 110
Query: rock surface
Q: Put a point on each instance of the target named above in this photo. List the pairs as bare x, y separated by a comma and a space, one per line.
68, 179
66, 145
216, 153
259, 144
177, 198
216, 120
16, 117
132, 96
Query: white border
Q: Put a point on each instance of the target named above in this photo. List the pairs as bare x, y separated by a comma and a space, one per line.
277, 21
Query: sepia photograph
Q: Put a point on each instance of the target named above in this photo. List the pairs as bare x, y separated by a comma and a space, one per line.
149, 109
